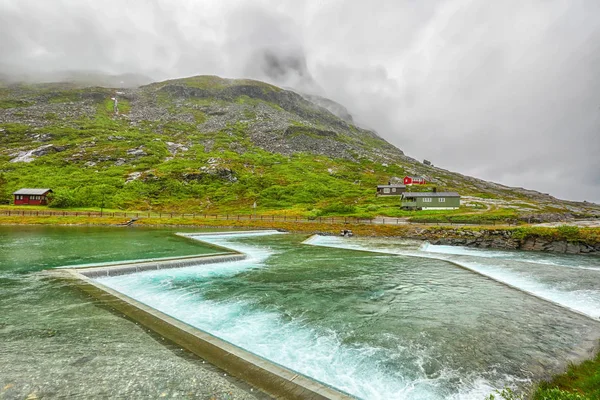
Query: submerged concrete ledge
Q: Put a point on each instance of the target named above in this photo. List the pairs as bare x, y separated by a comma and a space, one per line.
310, 241
271, 378
131, 268
265, 375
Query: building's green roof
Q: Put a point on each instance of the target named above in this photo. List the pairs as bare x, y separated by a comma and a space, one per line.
431, 194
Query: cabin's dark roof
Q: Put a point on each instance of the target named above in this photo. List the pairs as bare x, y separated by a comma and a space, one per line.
431, 194
33, 192
391, 186
415, 177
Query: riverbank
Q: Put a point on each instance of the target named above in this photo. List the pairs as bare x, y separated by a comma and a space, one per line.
579, 382
560, 239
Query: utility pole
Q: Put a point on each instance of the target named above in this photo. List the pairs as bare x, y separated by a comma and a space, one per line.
102, 204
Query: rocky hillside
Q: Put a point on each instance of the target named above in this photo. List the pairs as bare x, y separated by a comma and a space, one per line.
207, 143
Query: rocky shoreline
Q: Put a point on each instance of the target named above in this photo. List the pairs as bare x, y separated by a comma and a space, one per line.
507, 239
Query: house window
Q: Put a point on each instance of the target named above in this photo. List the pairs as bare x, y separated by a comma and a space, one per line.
394, 190
442, 199
386, 190
426, 199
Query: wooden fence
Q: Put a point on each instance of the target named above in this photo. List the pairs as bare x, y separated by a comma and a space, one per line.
225, 217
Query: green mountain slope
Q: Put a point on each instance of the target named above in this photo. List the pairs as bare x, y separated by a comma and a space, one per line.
210, 144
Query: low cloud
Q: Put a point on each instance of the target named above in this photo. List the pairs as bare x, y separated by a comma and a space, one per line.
505, 91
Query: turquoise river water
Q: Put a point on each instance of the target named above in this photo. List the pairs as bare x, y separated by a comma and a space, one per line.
57, 343
388, 319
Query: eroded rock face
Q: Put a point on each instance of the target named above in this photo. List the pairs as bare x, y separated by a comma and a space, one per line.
133, 177
30, 155
137, 152
502, 239
175, 148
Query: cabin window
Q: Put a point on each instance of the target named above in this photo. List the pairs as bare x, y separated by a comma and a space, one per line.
442, 199
426, 199
394, 190
386, 190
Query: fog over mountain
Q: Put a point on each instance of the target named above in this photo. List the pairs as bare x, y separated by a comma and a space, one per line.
506, 91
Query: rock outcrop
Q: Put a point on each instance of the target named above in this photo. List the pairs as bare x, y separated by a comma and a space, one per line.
507, 239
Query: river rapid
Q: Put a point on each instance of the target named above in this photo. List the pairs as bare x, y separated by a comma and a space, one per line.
388, 319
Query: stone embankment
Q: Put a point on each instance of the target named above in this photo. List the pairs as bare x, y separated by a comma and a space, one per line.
508, 239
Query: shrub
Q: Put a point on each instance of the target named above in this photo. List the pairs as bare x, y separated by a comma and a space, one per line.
557, 394
567, 232
63, 199
338, 208
506, 394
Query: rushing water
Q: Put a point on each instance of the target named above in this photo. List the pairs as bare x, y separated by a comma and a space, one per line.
57, 343
569, 280
382, 323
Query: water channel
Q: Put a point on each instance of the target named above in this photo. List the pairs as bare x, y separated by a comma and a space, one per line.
382, 319
376, 318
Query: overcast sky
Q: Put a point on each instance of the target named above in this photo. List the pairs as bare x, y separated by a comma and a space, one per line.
507, 91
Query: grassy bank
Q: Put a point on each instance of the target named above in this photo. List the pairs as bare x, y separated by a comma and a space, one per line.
291, 226
579, 382
561, 233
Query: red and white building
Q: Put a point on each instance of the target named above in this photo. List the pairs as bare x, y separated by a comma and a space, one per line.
34, 197
414, 180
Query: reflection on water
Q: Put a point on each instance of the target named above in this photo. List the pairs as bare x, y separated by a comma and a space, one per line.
376, 325
572, 281
33, 248
58, 344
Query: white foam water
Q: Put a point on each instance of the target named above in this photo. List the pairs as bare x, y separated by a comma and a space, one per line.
576, 262
503, 266
359, 370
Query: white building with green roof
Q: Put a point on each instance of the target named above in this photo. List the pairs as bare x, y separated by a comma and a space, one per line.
430, 200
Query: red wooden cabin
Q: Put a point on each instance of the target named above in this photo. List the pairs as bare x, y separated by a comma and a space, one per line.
414, 180
34, 197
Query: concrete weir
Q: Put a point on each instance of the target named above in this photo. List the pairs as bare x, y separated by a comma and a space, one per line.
131, 268
271, 378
